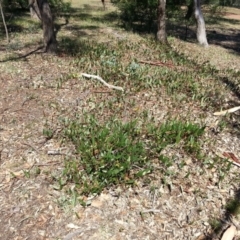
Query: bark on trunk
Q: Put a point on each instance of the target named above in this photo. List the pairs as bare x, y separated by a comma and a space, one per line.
34, 10
161, 22
49, 37
201, 30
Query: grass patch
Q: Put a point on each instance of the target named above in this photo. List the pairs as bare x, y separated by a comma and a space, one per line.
113, 153
216, 225
107, 153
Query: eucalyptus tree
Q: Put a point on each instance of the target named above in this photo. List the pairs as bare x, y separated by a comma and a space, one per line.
194, 8
134, 11
42, 9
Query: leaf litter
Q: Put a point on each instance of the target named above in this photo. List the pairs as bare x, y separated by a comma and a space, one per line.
172, 208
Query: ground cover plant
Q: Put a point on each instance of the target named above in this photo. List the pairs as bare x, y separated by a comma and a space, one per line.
78, 155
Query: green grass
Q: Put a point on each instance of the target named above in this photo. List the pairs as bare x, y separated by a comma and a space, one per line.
112, 153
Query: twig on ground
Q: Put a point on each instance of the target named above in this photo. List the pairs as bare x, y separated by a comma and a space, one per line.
101, 80
24, 220
29, 145
234, 163
157, 64
55, 152
151, 211
46, 164
230, 158
231, 110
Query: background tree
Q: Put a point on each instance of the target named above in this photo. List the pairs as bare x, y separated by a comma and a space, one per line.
49, 37
34, 10
41, 9
161, 21
201, 30
150, 12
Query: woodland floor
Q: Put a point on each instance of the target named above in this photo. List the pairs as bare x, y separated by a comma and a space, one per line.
30, 205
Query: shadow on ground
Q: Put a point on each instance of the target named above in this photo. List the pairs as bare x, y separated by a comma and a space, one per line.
226, 38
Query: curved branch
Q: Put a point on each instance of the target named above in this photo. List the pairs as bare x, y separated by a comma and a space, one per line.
4, 23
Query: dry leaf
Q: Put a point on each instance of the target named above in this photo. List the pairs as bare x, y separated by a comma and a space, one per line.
73, 226
231, 110
229, 233
17, 174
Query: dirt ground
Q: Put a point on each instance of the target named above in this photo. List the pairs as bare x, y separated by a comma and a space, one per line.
30, 205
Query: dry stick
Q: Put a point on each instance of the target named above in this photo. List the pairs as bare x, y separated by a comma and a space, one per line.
231, 110
55, 152
102, 81
157, 63
233, 162
229, 160
151, 211
4, 23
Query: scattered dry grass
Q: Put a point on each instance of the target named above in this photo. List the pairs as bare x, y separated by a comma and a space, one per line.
185, 200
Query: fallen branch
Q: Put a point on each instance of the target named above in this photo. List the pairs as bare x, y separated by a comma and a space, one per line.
230, 158
102, 81
157, 64
231, 110
234, 163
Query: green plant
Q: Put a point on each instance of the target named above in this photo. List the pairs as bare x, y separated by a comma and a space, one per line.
107, 154
233, 207
174, 132
216, 225
48, 133
113, 152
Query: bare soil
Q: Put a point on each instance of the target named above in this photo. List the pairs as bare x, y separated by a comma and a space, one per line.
30, 206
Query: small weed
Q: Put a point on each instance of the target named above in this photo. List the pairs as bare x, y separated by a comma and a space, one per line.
26, 173
222, 125
216, 225
48, 133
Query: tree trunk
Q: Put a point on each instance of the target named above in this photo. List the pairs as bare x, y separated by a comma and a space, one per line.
161, 22
201, 30
103, 3
34, 9
49, 37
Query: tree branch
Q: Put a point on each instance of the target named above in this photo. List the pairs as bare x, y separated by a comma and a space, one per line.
4, 23
102, 81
